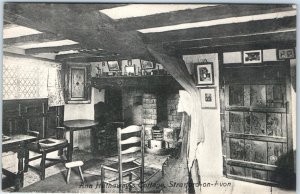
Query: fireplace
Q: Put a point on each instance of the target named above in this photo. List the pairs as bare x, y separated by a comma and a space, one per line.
139, 106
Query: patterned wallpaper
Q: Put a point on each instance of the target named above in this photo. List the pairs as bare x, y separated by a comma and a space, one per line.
25, 78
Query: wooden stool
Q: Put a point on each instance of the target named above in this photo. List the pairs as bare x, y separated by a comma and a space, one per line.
70, 165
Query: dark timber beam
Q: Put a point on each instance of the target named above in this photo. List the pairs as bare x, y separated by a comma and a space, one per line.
34, 38
55, 49
289, 35
251, 27
254, 45
72, 55
91, 29
198, 15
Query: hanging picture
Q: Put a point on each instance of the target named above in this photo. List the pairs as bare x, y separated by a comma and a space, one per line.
253, 56
130, 70
286, 54
113, 65
208, 98
204, 74
147, 64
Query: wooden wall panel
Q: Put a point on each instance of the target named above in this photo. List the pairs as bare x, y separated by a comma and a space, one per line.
236, 122
275, 150
256, 151
33, 114
236, 95
258, 95
274, 124
258, 123
235, 170
236, 149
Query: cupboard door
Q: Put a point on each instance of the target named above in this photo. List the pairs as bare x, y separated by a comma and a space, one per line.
77, 78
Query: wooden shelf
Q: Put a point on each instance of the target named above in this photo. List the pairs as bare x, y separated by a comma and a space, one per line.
146, 82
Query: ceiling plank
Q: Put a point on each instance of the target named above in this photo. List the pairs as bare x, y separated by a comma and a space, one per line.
198, 15
235, 29
34, 38
55, 49
289, 35
91, 29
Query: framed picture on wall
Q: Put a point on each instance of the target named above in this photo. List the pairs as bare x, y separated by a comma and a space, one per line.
113, 65
208, 98
147, 64
204, 74
286, 54
130, 70
253, 56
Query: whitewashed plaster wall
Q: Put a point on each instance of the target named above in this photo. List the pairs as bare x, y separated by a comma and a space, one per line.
210, 155
83, 111
293, 63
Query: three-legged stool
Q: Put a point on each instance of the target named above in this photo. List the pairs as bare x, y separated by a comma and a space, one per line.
70, 165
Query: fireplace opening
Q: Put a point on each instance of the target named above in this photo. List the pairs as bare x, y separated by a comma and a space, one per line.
155, 109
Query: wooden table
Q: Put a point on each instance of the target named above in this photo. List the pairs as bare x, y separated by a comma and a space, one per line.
76, 125
17, 143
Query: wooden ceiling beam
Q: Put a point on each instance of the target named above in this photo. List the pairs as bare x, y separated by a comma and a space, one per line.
92, 29
55, 49
34, 38
198, 15
73, 55
235, 29
231, 47
95, 59
289, 35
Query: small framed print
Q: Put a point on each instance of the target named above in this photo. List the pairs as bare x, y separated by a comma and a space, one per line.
286, 54
208, 98
113, 65
253, 56
147, 64
204, 74
130, 70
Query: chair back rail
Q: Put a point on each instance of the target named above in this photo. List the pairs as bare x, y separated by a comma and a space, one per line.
131, 140
131, 150
130, 129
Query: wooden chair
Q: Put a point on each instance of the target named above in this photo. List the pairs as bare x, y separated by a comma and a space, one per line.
43, 147
128, 143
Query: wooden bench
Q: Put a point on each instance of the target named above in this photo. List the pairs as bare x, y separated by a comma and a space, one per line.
70, 165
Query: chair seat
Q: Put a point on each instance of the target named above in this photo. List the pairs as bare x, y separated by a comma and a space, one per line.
127, 166
48, 143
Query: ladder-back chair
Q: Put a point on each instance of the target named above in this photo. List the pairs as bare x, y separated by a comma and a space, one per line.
130, 148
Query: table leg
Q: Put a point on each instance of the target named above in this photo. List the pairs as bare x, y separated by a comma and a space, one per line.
71, 146
20, 175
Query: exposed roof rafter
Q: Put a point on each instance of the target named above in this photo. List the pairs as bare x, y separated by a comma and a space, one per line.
34, 38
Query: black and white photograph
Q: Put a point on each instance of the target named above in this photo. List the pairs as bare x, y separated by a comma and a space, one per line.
147, 64
208, 98
204, 74
252, 56
113, 65
135, 97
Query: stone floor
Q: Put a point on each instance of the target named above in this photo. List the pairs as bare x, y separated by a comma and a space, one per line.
224, 186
